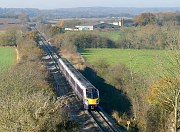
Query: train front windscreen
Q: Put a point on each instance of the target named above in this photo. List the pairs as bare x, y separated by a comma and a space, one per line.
92, 93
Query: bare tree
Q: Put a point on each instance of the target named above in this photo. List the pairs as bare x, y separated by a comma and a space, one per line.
166, 91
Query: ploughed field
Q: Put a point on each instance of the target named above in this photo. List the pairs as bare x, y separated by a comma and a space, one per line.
7, 58
140, 61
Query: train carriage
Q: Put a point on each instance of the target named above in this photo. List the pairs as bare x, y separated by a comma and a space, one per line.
82, 87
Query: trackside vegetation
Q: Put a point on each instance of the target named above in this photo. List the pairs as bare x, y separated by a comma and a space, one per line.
28, 101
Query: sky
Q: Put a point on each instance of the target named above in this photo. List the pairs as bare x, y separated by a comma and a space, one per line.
52, 4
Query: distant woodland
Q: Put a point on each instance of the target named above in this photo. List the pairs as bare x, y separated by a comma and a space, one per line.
83, 12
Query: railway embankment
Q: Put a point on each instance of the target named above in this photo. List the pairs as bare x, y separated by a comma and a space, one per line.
71, 102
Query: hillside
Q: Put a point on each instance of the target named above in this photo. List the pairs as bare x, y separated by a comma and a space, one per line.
83, 12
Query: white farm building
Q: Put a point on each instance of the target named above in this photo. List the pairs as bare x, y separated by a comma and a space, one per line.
84, 28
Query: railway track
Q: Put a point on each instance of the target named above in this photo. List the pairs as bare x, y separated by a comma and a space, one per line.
102, 121
60, 81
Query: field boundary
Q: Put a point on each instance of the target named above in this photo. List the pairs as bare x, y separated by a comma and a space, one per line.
17, 56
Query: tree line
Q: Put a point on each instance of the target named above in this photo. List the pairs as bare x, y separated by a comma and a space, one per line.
156, 18
146, 36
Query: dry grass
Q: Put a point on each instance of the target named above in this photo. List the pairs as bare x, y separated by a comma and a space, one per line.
75, 58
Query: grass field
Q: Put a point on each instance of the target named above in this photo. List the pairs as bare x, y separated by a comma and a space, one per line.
7, 58
140, 61
113, 35
2, 32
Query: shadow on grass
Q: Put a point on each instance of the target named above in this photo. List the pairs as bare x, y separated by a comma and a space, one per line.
110, 97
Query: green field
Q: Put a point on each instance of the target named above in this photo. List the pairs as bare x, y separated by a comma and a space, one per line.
2, 32
140, 61
7, 58
113, 35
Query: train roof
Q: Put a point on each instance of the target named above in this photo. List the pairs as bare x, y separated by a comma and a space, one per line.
78, 75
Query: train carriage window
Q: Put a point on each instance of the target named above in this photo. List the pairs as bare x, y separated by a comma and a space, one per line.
73, 82
66, 73
70, 78
80, 90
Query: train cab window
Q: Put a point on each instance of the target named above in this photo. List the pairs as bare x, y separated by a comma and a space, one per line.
92, 93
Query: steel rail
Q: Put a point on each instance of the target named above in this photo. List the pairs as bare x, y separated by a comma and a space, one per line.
101, 120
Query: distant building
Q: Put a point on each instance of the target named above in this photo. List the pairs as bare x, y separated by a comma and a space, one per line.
118, 23
90, 27
85, 28
98, 25
69, 29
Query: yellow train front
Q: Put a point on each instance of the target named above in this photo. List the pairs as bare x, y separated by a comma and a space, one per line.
91, 98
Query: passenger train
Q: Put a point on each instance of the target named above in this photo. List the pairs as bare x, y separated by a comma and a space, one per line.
82, 87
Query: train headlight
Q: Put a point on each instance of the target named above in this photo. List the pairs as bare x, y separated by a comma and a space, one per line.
86, 101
